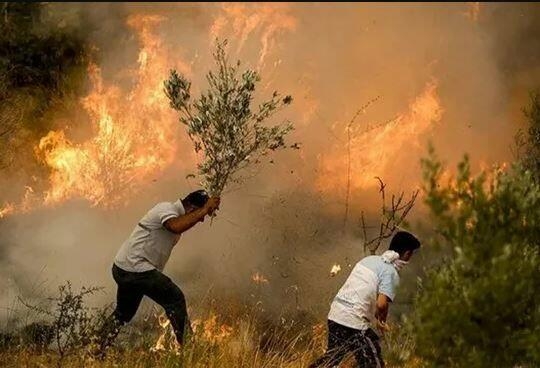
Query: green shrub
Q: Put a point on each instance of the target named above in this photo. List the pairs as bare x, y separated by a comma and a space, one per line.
481, 307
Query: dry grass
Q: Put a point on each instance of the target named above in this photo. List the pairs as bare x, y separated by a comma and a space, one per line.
241, 346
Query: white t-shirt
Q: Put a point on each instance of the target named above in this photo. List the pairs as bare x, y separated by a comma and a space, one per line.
150, 244
355, 303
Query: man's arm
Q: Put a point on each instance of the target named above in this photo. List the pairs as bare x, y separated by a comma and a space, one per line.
381, 312
185, 222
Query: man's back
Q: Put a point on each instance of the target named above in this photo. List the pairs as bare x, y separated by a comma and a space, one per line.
354, 304
150, 244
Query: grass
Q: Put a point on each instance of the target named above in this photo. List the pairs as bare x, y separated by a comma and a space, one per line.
239, 336
245, 344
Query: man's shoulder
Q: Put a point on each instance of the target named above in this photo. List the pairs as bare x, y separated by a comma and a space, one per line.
161, 209
378, 265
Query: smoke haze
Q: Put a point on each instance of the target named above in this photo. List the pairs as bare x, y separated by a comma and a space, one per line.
453, 74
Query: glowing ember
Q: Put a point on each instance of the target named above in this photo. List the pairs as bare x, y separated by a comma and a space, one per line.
6, 210
335, 270
259, 279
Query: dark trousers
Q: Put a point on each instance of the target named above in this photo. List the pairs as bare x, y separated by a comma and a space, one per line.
132, 286
342, 340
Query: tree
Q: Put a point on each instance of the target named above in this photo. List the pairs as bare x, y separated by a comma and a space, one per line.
528, 141
222, 122
481, 306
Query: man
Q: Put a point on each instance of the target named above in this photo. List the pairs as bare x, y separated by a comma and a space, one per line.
364, 300
139, 263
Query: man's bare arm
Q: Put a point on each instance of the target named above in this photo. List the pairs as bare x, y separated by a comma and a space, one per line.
185, 222
381, 312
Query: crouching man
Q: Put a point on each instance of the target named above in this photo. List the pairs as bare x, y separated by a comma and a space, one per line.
362, 302
139, 263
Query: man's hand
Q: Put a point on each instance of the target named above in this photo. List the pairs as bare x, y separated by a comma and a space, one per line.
212, 205
185, 222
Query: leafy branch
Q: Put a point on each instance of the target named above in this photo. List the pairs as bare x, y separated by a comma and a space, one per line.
223, 124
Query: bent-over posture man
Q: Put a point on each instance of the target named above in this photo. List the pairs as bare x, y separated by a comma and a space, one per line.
139, 263
364, 300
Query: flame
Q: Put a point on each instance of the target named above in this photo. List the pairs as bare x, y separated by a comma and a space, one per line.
167, 339
336, 268
259, 278
133, 133
266, 19
374, 151
211, 330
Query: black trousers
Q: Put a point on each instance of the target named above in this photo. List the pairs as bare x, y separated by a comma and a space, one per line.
342, 340
132, 286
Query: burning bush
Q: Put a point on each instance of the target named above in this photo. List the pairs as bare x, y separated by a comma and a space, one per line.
222, 124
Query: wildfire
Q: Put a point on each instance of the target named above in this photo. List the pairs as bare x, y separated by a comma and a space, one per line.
374, 152
268, 20
134, 132
167, 339
211, 330
336, 268
259, 279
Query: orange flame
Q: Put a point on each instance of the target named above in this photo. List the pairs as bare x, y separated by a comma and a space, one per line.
266, 19
211, 330
134, 133
167, 339
374, 151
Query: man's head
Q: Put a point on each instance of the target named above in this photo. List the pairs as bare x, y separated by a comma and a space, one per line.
404, 243
195, 200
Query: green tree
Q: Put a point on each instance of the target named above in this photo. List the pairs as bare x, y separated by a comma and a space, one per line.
223, 123
481, 306
529, 141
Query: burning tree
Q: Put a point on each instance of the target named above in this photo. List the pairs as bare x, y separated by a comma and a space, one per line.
223, 124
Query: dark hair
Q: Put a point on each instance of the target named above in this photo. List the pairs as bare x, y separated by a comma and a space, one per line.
197, 198
404, 241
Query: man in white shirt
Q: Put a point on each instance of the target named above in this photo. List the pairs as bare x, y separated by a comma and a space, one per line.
364, 301
139, 263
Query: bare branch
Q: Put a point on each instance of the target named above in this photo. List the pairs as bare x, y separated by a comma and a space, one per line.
391, 217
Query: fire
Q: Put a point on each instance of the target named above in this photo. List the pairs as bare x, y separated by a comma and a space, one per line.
266, 19
259, 278
133, 137
211, 330
134, 132
336, 268
167, 339
374, 152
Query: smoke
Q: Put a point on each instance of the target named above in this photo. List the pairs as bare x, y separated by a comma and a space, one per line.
283, 223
